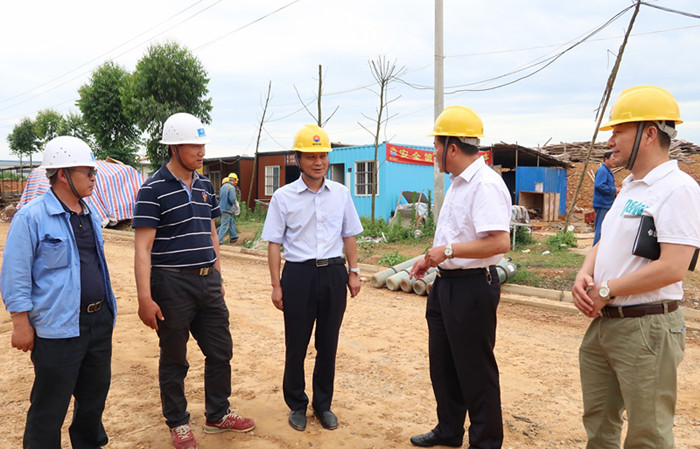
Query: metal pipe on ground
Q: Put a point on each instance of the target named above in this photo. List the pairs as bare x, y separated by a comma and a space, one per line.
378, 280
393, 282
406, 285
420, 286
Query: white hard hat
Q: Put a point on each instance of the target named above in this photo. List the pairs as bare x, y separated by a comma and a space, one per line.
67, 151
183, 128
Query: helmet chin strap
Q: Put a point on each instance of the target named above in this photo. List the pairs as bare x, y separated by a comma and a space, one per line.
177, 155
444, 154
70, 183
635, 147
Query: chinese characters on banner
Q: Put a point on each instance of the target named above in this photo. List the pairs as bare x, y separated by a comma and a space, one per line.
406, 155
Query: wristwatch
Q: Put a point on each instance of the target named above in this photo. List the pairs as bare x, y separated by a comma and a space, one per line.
357, 271
448, 251
604, 291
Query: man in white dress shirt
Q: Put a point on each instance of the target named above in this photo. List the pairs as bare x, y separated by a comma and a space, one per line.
314, 219
470, 239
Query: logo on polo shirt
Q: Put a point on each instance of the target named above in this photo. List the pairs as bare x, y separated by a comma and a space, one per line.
205, 196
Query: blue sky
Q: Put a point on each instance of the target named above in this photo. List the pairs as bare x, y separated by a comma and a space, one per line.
50, 49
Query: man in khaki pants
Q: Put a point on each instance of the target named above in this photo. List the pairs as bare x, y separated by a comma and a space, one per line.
632, 348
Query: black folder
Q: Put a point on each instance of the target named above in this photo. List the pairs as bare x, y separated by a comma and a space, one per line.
647, 245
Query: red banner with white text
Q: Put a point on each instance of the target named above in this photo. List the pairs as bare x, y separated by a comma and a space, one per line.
407, 155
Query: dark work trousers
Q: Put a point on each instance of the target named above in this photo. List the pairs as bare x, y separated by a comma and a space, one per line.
600, 213
192, 304
312, 294
461, 315
65, 367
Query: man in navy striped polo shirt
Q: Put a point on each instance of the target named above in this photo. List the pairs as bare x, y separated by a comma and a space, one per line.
179, 283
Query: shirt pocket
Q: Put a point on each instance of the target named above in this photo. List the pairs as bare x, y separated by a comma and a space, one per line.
53, 252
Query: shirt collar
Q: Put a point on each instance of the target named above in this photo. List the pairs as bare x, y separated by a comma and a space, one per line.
55, 206
469, 172
657, 173
301, 185
168, 175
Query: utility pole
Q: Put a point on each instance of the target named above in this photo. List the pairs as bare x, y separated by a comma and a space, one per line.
439, 87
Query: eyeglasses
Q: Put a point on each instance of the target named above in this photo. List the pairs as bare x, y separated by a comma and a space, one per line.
91, 173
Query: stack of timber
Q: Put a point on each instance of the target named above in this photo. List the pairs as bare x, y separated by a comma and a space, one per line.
680, 149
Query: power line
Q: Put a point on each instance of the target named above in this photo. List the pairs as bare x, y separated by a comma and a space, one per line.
136, 46
663, 8
206, 44
550, 59
93, 60
600, 39
547, 62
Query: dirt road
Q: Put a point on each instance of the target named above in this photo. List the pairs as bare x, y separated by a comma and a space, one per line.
383, 392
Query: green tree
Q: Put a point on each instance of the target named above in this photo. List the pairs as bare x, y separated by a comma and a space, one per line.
74, 125
23, 140
49, 124
115, 132
168, 79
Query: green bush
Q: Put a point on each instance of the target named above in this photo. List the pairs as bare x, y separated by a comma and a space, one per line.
391, 259
250, 243
394, 232
258, 214
523, 235
562, 240
397, 232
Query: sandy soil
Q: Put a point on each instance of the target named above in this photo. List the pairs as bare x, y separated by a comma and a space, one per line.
383, 392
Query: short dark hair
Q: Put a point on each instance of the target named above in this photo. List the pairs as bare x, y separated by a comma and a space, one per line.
465, 148
607, 155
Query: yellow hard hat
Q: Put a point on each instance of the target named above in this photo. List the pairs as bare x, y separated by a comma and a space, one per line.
224, 181
643, 104
312, 139
233, 175
458, 121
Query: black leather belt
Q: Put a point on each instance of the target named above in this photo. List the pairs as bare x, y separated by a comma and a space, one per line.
204, 271
639, 310
461, 272
325, 262
94, 307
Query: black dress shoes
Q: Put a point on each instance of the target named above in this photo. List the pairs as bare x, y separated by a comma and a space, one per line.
297, 419
327, 419
430, 439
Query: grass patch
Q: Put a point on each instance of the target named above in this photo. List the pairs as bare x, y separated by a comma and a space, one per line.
391, 259
562, 240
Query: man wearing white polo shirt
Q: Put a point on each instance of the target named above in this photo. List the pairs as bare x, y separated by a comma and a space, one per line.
632, 348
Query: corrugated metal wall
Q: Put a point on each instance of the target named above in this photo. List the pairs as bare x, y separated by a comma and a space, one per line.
393, 178
553, 180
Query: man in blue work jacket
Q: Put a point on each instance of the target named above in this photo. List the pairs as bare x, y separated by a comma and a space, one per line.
604, 192
56, 286
228, 202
